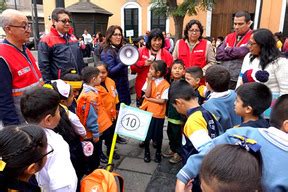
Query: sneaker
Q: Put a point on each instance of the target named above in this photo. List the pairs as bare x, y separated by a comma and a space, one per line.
147, 158
116, 156
175, 159
121, 140
103, 158
168, 153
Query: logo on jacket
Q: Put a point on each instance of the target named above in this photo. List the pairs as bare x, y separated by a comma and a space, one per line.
23, 71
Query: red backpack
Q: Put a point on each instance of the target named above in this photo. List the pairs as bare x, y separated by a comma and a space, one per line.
101, 180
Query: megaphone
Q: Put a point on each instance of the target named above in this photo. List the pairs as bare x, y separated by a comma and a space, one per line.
128, 54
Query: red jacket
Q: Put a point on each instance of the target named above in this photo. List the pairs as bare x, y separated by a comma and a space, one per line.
195, 58
142, 70
231, 39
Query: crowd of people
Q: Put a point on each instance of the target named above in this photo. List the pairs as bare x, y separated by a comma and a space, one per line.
225, 101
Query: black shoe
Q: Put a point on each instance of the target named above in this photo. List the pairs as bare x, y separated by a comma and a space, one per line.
154, 144
121, 140
147, 158
142, 144
116, 156
103, 158
157, 157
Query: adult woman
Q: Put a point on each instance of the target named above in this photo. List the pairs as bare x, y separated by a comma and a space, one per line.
24, 150
193, 49
117, 70
154, 50
265, 64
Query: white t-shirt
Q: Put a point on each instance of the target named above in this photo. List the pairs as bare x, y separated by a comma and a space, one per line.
87, 38
58, 174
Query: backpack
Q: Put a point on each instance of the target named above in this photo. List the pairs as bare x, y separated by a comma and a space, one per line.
101, 180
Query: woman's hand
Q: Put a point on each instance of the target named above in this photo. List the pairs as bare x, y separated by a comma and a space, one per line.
148, 63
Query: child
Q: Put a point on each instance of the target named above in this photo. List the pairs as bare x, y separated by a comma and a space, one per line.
92, 114
41, 106
24, 149
226, 168
221, 100
175, 121
273, 142
156, 94
75, 81
193, 76
107, 91
251, 101
200, 125
70, 127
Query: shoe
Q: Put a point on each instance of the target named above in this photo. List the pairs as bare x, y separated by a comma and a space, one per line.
154, 144
168, 153
157, 157
116, 156
121, 140
142, 144
103, 158
147, 158
175, 159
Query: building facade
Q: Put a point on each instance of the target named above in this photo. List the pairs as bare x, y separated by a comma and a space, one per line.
137, 15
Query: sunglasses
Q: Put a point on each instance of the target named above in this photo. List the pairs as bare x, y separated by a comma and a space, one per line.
65, 21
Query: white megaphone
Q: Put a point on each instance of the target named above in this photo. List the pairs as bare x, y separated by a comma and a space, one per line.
128, 54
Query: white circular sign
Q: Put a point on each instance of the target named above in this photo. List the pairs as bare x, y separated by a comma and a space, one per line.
130, 122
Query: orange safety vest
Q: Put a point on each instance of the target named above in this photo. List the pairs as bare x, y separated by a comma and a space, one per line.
158, 110
197, 57
109, 97
84, 102
24, 71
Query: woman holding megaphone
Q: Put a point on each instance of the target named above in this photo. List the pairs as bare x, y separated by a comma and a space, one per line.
154, 50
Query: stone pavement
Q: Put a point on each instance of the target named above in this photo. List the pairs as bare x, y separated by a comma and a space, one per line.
140, 176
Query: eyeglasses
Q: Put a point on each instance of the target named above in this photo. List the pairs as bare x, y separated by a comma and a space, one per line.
251, 43
65, 21
25, 27
193, 31
117, 34
49, 151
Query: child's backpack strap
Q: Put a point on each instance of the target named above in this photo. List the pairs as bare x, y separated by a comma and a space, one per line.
102, 180
212, 124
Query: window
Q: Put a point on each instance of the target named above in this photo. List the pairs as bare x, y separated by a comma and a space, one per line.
39, 2
131, 21
157, 20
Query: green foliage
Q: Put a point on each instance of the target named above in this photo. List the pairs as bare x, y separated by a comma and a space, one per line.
2, 5
172, 8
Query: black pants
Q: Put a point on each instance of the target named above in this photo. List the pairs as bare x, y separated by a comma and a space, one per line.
93, 161
155, 131
107, 135
174, 133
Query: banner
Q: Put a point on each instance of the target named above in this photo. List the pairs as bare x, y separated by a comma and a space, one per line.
133, 122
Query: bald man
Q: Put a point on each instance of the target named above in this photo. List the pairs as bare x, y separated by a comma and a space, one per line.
18, 69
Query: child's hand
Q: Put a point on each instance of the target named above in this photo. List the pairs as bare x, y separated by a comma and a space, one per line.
149, 76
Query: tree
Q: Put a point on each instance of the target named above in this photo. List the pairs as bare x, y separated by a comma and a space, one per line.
179, 10
2, 5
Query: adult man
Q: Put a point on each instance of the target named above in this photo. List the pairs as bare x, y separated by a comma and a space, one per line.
18, 69
59, 51
234, 48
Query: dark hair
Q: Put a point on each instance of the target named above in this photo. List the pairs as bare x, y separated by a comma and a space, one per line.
218, 78
268, 50
195, 72
279, 35
279, 112
189, 25
21, 146
155, 33
243, 14
37, 103
59, 10
221, 38
100, 39
232, 168
88, 73
256, 95
99, 63
71, 75
110, 31
181, 89
178, 61
161, 66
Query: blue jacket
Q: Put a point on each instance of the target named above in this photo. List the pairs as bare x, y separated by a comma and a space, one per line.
274, 151
58, 54
118, 72
223, 109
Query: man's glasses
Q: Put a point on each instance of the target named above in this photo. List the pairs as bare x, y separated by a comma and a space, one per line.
65, 21
24, 27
